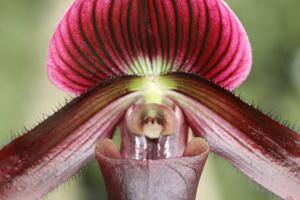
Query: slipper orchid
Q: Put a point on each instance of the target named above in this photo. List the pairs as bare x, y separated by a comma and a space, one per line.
153, 68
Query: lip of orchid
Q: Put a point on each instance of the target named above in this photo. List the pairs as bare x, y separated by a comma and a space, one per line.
175, 178
106, 148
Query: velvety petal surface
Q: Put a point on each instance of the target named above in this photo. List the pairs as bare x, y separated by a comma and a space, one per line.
40, 160
266, 151
99, 39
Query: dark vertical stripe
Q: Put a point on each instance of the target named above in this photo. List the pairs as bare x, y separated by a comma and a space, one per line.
168, 38
195, 43
89, 45
147, 27
226, 49
190, 33
237, 49
70, 67
75, 47
212, 55
63, 73
131, 37
140, 25
127, 45
99, 39
177, 24
207, 30
160, 32
232, 73
107, 38
88, 71
113, 35
152, 39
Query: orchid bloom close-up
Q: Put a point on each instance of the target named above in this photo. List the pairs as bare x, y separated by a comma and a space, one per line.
162, 72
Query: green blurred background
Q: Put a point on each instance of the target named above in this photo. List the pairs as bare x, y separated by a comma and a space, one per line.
27, 95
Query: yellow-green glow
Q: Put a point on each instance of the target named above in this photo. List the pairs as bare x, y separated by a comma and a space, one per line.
145, 67
153, 92
153, 87
152, 81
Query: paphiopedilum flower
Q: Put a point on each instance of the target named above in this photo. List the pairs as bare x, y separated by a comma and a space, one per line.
154, 68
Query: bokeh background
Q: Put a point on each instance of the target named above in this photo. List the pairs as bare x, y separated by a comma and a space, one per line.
26, 95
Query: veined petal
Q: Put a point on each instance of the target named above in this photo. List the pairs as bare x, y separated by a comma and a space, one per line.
99, 39
173, 178
266, 151
46, 156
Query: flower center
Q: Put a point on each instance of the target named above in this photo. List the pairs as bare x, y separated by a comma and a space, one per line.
153, 131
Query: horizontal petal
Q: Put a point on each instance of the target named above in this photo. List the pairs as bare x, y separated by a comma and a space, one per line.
40, 160
266, 151
99, 39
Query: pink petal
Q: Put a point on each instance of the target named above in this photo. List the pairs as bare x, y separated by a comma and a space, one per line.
266, 151
99, 39
40, 160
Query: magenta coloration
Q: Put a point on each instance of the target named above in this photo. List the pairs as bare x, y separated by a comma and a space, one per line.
264, 150
250, 140
97, 40
108, 45
40, 160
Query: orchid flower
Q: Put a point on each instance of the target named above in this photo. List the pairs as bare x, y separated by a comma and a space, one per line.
155, 69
